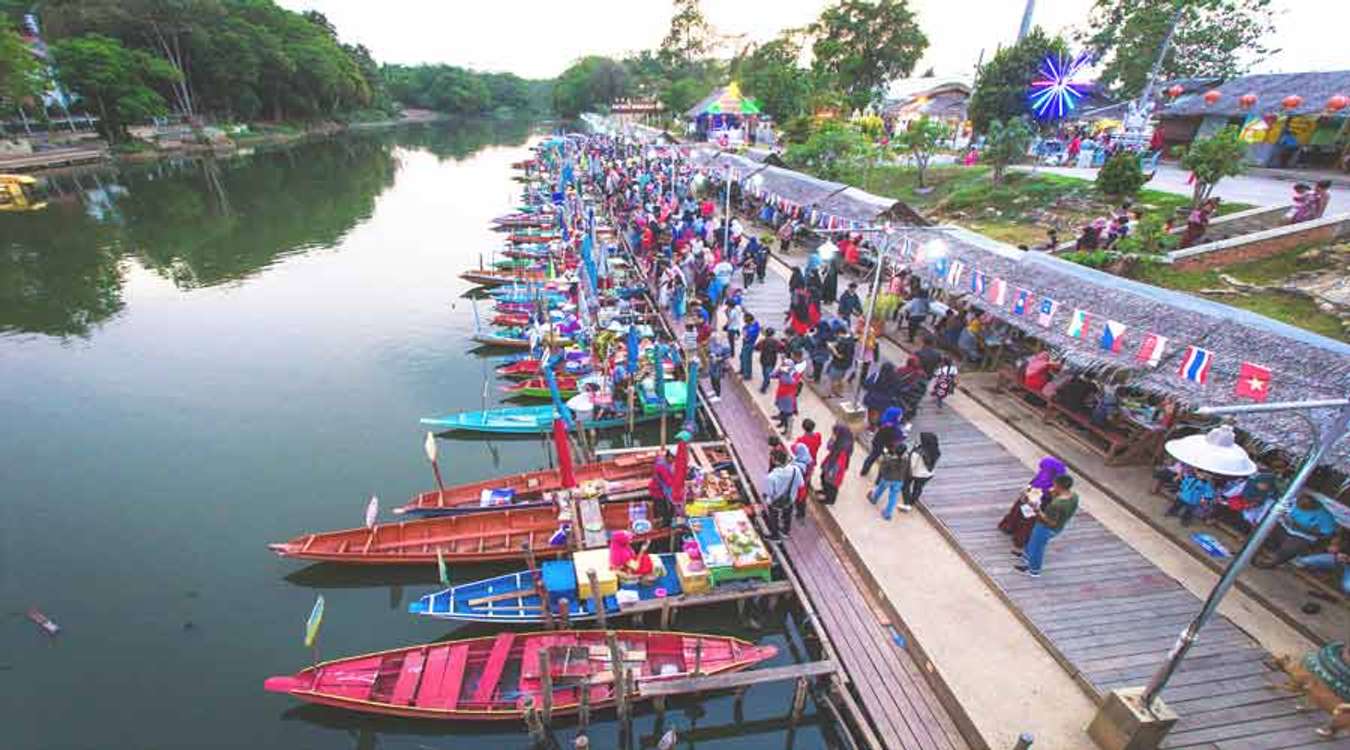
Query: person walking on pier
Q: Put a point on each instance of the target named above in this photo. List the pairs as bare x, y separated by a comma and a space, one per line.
1050, 523
769, 349
718, 354
834, 467
922, 462
890, 481
751, 338
780, 489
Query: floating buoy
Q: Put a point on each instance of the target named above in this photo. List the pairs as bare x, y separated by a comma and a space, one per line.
667, 740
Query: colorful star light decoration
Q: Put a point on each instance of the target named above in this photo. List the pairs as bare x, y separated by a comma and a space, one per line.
1058, 88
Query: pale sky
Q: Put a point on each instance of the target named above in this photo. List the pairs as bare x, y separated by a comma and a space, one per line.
539, 38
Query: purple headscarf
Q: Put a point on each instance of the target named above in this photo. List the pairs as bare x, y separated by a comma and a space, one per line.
1051, 468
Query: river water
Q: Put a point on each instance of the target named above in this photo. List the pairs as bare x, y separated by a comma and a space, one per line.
200, 357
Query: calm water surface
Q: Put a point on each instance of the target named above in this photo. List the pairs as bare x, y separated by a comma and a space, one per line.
200, 357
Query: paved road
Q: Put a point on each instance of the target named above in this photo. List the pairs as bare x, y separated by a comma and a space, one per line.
1258, 190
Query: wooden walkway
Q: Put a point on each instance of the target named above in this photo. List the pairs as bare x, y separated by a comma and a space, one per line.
904, 710
1108, 614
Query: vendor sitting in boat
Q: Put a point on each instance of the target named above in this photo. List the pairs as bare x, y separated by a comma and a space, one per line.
629, 565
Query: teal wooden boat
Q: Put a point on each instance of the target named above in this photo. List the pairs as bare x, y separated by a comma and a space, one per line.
538, 420
512, 597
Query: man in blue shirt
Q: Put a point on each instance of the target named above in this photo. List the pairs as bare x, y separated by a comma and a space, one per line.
1301, 529
750, 333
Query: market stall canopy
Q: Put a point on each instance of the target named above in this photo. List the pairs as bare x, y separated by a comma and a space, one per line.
725, 101
944, 98
1270, 90
1303, 365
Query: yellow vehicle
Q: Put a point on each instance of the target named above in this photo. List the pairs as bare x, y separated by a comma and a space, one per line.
18, 192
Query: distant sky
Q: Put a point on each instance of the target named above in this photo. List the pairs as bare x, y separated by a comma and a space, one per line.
539, 38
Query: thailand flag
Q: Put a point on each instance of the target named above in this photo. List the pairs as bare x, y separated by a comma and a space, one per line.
1046, 311
1113, 336
954, 273
1078, 324
1021, 302
1151, 351
998, 292
1195, 364
977, 282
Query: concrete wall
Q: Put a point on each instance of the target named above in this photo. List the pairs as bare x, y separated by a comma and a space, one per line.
1261, 244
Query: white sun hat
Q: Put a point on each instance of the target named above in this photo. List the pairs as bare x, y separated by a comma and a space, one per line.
1215, 451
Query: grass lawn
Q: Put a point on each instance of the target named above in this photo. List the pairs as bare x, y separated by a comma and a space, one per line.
1293, 309
1020, 210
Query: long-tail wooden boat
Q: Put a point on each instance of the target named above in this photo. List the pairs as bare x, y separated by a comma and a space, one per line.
575, 363
497, 277
629, 472
492, 677
538, 388
529, 237
512, 338
512, 598
465, 538
531, 420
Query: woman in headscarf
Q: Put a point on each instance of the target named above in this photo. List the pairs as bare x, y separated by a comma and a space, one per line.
801, 458
922, 462
797, 280
661, 487
880, 391
890, 435
1021, 517
834, 466
630, 565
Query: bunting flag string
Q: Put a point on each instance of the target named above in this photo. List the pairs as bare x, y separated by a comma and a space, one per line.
1195, 364
998, 292
1022, 302
1113, 336
1078, 324
1151, 350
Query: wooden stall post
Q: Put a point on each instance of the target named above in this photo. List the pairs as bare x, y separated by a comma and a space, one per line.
546, 677
597, 600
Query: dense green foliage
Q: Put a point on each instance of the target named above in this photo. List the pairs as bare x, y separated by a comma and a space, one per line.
832, 152
20, 74
921, 140
1212, 159
862, 45
120, 82
1121, 174
590, 84
770, 74
1005, 144
447, 88
1214, 38
1001, 84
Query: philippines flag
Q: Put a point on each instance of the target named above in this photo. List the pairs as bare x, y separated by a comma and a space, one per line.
1046, 311
1195, 364
1021, 302
998, 292
1151, 351
954, 273
1113, 336
1078, 324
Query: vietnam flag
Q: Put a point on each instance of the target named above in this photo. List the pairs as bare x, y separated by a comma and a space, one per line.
1253, 382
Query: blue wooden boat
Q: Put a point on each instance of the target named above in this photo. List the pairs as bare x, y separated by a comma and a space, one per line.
531, 420
512, 597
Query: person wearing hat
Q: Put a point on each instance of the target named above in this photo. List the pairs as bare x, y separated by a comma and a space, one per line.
849, 303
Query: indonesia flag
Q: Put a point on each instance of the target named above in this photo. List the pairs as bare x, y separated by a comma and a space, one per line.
998, 292
1113, 336
1021, 302
1151, 351
1195, 364
1078, 324
1253, 382
1045, 312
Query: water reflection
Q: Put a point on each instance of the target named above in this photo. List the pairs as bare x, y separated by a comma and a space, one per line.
200, 221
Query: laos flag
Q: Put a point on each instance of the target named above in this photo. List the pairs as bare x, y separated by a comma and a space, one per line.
1113, 336
1195, 364
1021, 302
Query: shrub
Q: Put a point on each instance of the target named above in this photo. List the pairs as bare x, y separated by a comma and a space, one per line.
1121, 174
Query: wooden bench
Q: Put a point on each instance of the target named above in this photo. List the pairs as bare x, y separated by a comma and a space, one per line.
1110, 443
1009, 382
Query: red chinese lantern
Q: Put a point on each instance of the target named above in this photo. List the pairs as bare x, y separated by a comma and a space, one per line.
1338, 102
1212, 96
1291, 102
1246, 101
1175, 90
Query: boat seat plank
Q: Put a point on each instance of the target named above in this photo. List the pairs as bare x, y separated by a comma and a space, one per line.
453, 683
409, 677
433, 676
492, 670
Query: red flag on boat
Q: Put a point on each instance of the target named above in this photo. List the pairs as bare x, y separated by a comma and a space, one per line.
565, 472
680, 471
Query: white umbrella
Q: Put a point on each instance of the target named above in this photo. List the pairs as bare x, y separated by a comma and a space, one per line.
1214, 451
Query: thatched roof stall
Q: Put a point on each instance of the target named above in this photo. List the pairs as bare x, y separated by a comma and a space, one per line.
1270, 90
863, 207
1303, 365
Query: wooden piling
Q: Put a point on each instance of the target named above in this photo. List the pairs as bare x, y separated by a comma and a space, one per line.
533, 723
564, 612
597, 600
665, 613
799, 699
546, 678
738, 704
698, 657
584, 703
620, 673
538, 581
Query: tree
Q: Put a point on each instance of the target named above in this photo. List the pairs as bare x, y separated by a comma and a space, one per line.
690, 38
1214, 38
1006, 143
120, 81
862, 45
1212, 159
1121, 174
921, 140
831, 153
590, 83
1001, 84
21, 75
770, 74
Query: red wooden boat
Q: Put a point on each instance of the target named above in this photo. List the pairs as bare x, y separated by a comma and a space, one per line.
495, 277
529, 369
492, 676
538, 387
626, 473
477, 537
530, 239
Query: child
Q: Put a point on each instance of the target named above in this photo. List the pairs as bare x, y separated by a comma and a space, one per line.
789, 379
944, 380
1194, 496
1304, 203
